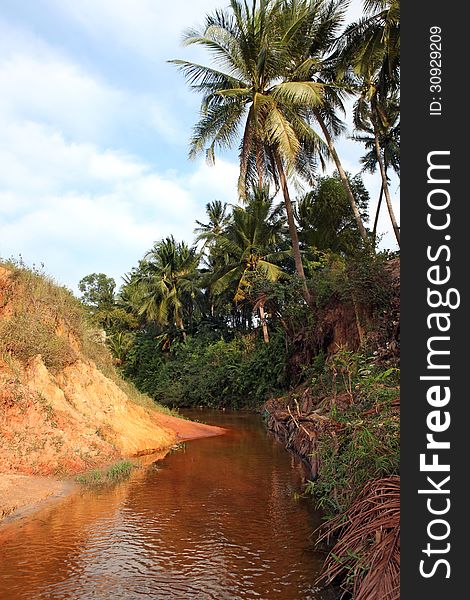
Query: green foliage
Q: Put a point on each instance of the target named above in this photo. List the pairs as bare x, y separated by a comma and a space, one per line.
264, 79
219, 217
363, 450
365, 441
369, 281
97, 290
361, 278
164, 285
325, 218
240, 373
120, 471
94, 477
329, 278
251, 246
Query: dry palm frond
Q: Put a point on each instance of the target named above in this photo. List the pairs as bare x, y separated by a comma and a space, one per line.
367, 553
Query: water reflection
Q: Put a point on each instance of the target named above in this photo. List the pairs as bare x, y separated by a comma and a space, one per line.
215, 520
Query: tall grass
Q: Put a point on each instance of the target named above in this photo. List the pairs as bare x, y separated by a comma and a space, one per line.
120, 471
40, 318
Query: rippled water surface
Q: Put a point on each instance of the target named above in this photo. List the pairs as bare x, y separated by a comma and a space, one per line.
214, 520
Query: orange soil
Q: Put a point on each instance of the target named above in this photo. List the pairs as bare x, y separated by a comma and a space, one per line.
61, 423
188, 430
20, 495
25, 491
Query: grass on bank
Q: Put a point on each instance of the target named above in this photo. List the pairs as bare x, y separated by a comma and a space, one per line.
363, 443
44, 318
117, 472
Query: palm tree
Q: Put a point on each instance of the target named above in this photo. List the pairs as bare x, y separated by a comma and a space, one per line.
218, 220
370, 49
265, 55
251, 243
382, 140
166, 282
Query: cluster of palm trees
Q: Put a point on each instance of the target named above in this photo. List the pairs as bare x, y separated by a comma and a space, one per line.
238, 252
177, 285
280, 75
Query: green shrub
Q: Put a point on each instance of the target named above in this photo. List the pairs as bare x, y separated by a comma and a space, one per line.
241, 373
120, 471
94, 477
361, 451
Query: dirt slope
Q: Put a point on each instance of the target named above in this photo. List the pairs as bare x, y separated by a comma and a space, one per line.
59, 413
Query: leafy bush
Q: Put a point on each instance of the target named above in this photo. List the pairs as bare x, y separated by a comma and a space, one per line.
362, 277
362, 450
240, 373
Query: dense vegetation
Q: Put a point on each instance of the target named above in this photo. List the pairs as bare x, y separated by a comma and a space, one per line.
218, 325
248, 310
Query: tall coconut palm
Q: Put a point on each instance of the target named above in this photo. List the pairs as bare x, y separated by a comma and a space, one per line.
310, 55
260, 87
219, 218
370, 49
166, 282
381, 138
251, 244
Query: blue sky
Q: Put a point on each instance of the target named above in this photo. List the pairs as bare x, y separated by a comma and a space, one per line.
95, 127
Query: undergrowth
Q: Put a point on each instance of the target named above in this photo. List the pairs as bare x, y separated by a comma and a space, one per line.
239, 373
363, 442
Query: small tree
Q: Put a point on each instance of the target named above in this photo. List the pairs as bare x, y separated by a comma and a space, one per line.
325, 218
97, 290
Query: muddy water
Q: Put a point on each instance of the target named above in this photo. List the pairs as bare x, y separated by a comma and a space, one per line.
214, 520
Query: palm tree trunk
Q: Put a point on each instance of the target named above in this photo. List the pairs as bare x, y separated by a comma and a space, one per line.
376, 220
343, 177
385, 187
292, 228
264, 325
259, 166
180, 324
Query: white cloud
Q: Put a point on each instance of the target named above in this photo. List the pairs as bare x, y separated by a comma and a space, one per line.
216, 182
67, 198
78, 208
150, 28
72, 195
40, 84
36, 158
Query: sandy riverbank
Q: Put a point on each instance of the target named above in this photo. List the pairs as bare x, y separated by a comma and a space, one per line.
21, 495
